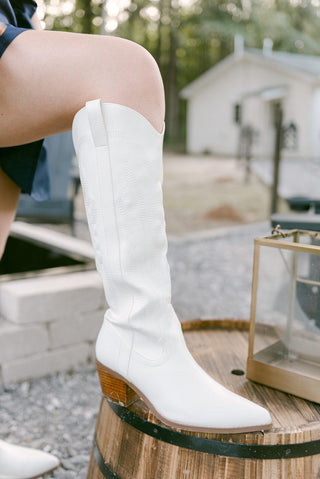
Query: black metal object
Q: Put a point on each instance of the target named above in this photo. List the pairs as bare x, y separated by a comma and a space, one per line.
27, 254
299, 203
303, 203
307, 221
290, 136
309, 300
211, 446
308, 293
237, 113
23, 255
105, 469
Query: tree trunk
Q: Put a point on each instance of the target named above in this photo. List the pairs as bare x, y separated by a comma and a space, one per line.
87, 26
157, 55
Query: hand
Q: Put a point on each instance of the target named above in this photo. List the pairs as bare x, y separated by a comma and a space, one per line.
2, 28
36, 22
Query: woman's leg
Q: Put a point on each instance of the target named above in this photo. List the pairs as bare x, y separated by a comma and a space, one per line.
46, 77
15, 461
141, 343
9, 197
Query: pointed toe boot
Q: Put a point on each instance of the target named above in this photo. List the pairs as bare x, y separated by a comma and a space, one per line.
141, 350
18, 462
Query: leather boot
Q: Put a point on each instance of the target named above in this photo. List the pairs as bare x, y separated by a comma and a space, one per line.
141, 347
18, 462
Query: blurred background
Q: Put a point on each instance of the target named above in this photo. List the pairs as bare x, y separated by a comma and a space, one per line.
242, 105
242, 143
187, 37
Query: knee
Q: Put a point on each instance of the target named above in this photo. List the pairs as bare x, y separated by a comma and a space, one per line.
146, 70
138, 84
147, 87
140, 66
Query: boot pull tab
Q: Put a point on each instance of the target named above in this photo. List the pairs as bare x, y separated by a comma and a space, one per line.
96, 121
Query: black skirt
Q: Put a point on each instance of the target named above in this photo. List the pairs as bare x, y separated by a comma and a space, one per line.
26, 165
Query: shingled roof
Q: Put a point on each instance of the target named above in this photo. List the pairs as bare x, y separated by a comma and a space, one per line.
305, 63
304, 66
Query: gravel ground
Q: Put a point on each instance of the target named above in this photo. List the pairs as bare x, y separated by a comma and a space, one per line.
211, 274
211, 277
56, 414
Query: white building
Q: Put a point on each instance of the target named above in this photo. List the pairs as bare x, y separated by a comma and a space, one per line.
256, 80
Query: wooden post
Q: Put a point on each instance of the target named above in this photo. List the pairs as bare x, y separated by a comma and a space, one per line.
249, 132
278, 114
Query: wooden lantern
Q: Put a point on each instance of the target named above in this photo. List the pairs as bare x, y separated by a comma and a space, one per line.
284, 340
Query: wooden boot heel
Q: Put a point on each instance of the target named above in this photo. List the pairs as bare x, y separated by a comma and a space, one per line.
115, 388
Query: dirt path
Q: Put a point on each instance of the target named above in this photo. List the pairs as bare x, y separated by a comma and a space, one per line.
201, 193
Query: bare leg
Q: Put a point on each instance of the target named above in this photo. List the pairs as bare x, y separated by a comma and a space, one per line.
46, 77
17, 462
9, 197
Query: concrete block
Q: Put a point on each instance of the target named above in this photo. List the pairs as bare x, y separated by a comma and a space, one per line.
17, 341
49, 298
47, 237
45, 363
76, 329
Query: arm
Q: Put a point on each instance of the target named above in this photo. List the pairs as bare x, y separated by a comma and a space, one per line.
36, 22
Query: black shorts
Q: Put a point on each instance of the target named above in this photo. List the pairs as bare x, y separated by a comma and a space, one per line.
26, 165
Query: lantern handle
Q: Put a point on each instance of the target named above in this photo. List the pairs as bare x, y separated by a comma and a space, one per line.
278, 230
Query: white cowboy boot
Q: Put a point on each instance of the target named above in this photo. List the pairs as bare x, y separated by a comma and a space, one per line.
18, 462
141, 348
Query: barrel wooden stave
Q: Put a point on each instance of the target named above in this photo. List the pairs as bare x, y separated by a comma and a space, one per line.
219, 348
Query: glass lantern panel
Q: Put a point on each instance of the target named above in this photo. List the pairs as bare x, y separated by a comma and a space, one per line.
287, 321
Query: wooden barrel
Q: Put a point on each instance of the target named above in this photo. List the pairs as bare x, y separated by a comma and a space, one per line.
130, 443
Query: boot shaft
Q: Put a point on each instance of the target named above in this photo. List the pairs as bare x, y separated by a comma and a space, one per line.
120, 160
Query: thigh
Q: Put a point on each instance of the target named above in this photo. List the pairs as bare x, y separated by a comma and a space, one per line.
9, 197
46, 77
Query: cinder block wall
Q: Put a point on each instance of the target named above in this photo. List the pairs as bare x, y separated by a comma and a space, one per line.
50, 323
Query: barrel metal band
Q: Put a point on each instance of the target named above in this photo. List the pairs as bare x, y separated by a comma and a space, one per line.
105, 470
211, 446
